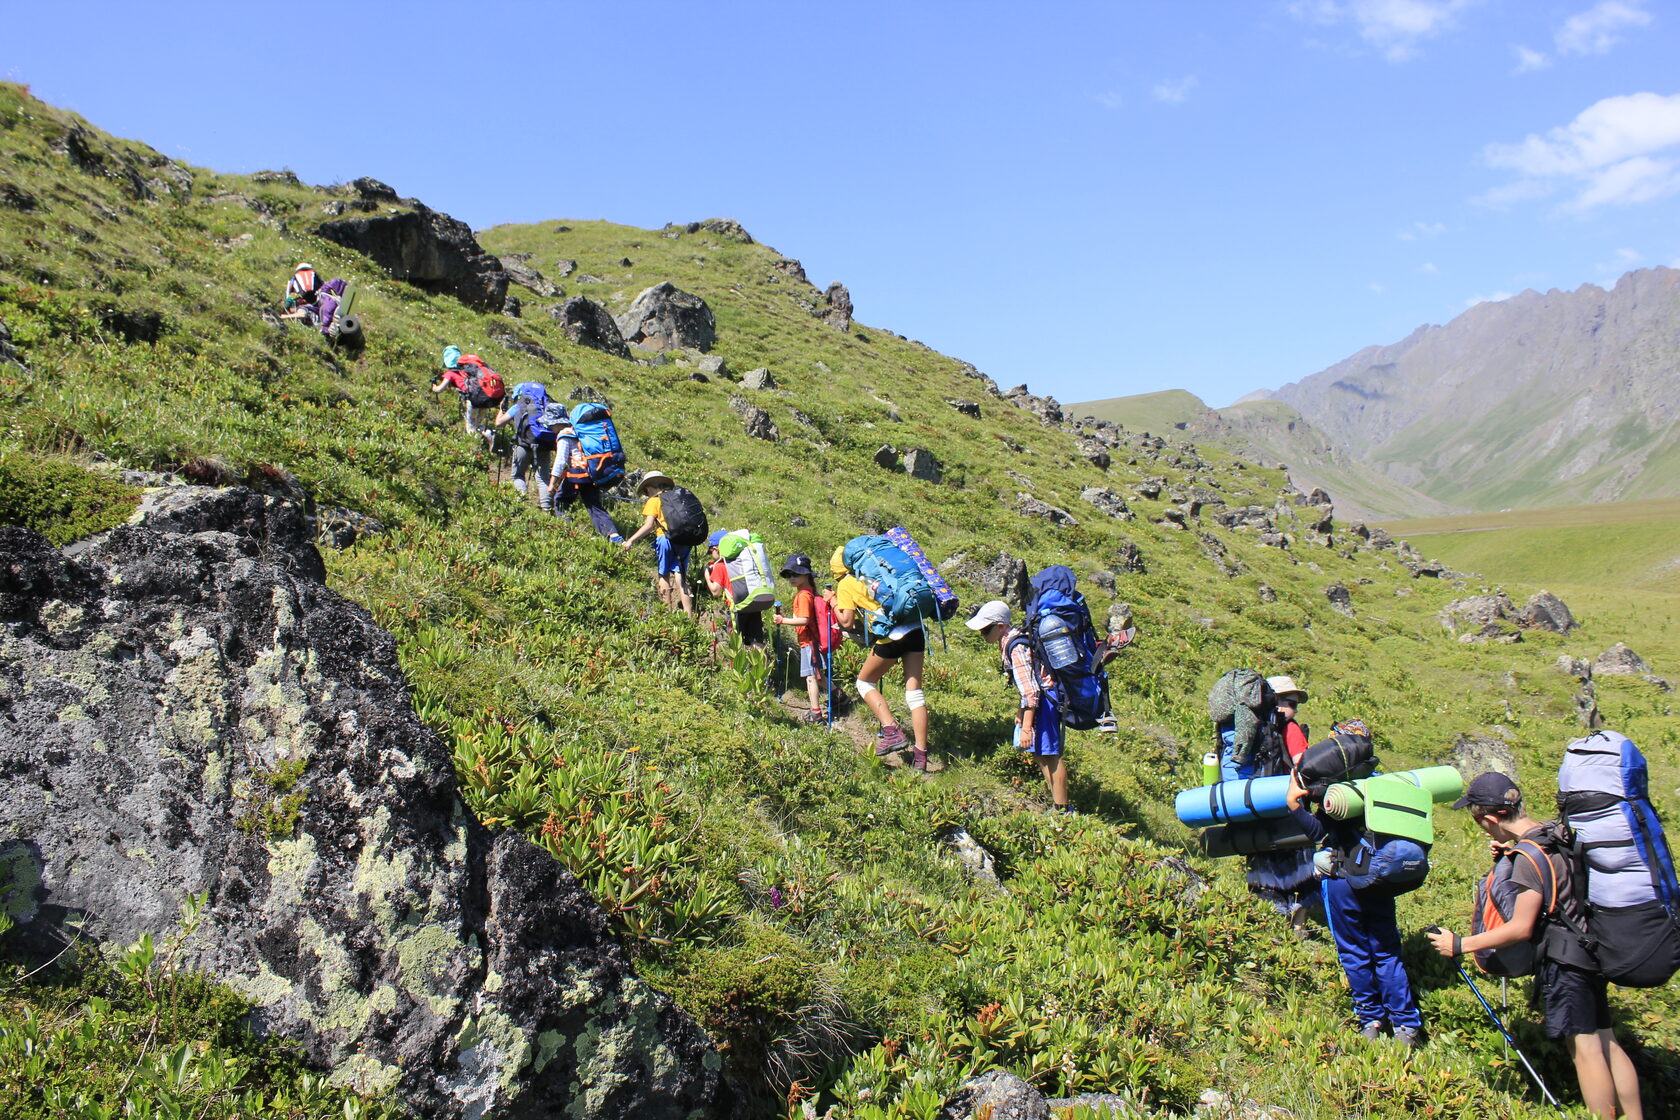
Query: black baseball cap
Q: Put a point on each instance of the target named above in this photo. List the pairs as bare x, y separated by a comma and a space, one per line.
1492, 790
798, 564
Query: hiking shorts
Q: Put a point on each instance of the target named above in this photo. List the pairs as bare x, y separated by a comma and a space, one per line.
895, 648
672, 559
1047, 733
1576, 1000
808, 661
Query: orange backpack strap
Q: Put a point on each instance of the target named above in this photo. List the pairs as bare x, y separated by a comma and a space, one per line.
1547, 875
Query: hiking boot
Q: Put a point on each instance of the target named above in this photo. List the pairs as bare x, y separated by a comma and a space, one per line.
921, 761
890, 740
814, 716
1108, 725
1372, 1030
1409, 1037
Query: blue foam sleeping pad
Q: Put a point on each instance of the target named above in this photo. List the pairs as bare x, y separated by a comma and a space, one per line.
1234, 802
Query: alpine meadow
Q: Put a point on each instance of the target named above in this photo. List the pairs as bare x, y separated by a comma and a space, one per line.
775, 923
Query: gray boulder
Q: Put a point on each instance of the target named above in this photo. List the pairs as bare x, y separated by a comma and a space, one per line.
1047, 409
1340, 599
967, 408
1095, 453
1380, 538
1482, 754
974, 859
512, 307
1004, 578
587, 323
1107, 501
527, 277
523, 346
270, 759
1037, 507
1546, 611
429, 250
920, 463
713, 364
369, 189
836, 307
1477, 615
1174, 517
1619, 660
886, 457
1130, 559
1149, 488
664, 317
9, 353
790, 268
564, 267
758, 379
1266, 593
727, 228
997, 1095
755, 420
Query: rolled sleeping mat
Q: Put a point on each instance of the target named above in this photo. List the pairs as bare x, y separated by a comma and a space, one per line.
1233, 802
1347, 800
1398, 809
1277, 834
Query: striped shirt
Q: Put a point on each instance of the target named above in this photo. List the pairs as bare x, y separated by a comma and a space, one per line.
1030, 680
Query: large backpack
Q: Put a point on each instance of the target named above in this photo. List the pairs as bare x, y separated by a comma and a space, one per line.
1619, 850
1496, 900
894, 580
599, 458
685, 517
542, 417
1063, 640
484, 385
1392, 850
1240, 704
1346, 756
752, 588
946, 607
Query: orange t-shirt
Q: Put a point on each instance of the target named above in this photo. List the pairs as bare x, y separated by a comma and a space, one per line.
805, 606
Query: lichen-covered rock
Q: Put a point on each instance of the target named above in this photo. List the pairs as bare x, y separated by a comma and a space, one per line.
836, 307
1546, 611
755, 420
886, 457
189, 710
966, 407
1341, 601
1004, 578
1478, 615
587, 323
1620, 660
664, 317
997, 1095
432, 251
759, 379
1038, 507
1106, 501
920, 463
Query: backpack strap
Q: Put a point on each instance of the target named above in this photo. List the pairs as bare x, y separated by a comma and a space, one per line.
1550, 872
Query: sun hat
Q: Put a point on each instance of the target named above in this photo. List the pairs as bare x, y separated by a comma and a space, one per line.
717, 535
1491, 790
798, 564
655, 475
451, 356
990, 613
1286, 686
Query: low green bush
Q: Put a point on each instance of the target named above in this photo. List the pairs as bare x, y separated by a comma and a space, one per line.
59, 499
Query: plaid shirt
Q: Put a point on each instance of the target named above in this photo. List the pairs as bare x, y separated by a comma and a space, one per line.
1030, 680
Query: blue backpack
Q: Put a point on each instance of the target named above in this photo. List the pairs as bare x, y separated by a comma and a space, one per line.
599, 459
542, 417
894, 581
1059, 632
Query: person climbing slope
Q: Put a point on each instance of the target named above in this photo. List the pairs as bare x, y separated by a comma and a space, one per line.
590, 460
310, 301
670, 574
813, 618
893, 642
747, 589
1038, 724
480, 387
538, 424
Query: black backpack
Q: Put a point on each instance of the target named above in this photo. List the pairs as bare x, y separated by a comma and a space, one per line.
685, 518
1345, 756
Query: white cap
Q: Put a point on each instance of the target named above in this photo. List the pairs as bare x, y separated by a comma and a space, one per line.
990, 614
1285, 686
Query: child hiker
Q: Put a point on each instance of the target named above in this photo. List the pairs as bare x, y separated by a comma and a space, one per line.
853, 604
670, 573
809, 633
1038, 725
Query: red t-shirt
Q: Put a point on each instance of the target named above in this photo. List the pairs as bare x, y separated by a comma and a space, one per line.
1294, 740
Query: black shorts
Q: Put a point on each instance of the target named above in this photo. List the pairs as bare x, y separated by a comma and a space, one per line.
1576, 1000
913, 642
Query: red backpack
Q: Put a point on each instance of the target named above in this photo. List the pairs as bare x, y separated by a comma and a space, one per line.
826, 626
482, 381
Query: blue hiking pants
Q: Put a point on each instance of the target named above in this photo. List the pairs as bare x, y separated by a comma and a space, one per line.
1368, 943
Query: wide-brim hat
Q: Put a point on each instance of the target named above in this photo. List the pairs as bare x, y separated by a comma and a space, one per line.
798, 564
1286, 686
655, 475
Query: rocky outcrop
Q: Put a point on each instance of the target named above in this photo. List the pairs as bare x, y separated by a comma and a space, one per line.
1106, 501
1038, 507
1047, 409
790, 268
432, 251
525, 276
1481, 754
1478, 616
1619, 660
1004, 578
9, 353
836, 307
997, 1095
754, 420
1341, 601
587, 323
966, 407
920, 463
1129, 558
664, 317
758, 379
189, 710
727, 228
1546, 611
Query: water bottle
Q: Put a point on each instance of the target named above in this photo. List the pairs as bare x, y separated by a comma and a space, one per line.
1057, 639
1210, 769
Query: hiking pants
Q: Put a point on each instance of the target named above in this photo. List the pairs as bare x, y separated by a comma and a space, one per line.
598, 515
1368, 943
524, 457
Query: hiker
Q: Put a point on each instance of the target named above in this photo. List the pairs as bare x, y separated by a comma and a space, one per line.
670, 572
1038, 723
310, 301
893, 642
538, 425
740, 591
1285, 879
591, 461
813, 618
1359, 899
480, 388
1545, 908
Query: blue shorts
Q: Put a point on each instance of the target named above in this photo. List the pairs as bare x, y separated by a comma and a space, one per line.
810, 662
671, 559
1047, 733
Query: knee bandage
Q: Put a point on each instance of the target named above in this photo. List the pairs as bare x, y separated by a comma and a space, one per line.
865, 688
915, 698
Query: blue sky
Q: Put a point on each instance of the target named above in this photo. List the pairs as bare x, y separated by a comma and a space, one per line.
1099, 199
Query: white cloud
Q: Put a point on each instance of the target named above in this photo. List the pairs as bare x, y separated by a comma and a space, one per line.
1421, 229
1497, 297
1109, 99
1597, 29
1529, 60
1174, 93
1610, 151
1428, 269
1392, 26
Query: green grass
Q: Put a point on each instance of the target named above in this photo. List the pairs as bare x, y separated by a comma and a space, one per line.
1159, 413
716, 831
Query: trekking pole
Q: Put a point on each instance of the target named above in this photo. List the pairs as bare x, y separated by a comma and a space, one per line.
1494, 1015
828, 672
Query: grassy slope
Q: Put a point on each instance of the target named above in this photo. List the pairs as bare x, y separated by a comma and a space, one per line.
576, 703
1145, 412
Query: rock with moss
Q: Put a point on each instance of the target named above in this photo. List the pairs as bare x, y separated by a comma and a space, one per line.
192, 712
432, 251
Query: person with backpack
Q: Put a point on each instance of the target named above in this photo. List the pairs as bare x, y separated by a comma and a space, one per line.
867, 570
590, 461
666, 502
1285, 879
1362, 875
311, 301
480, 387
1038, 723
1547, 912
741, 579
814, 618
538, 425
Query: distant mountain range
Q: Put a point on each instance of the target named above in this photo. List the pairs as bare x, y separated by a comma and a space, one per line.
1541, 399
